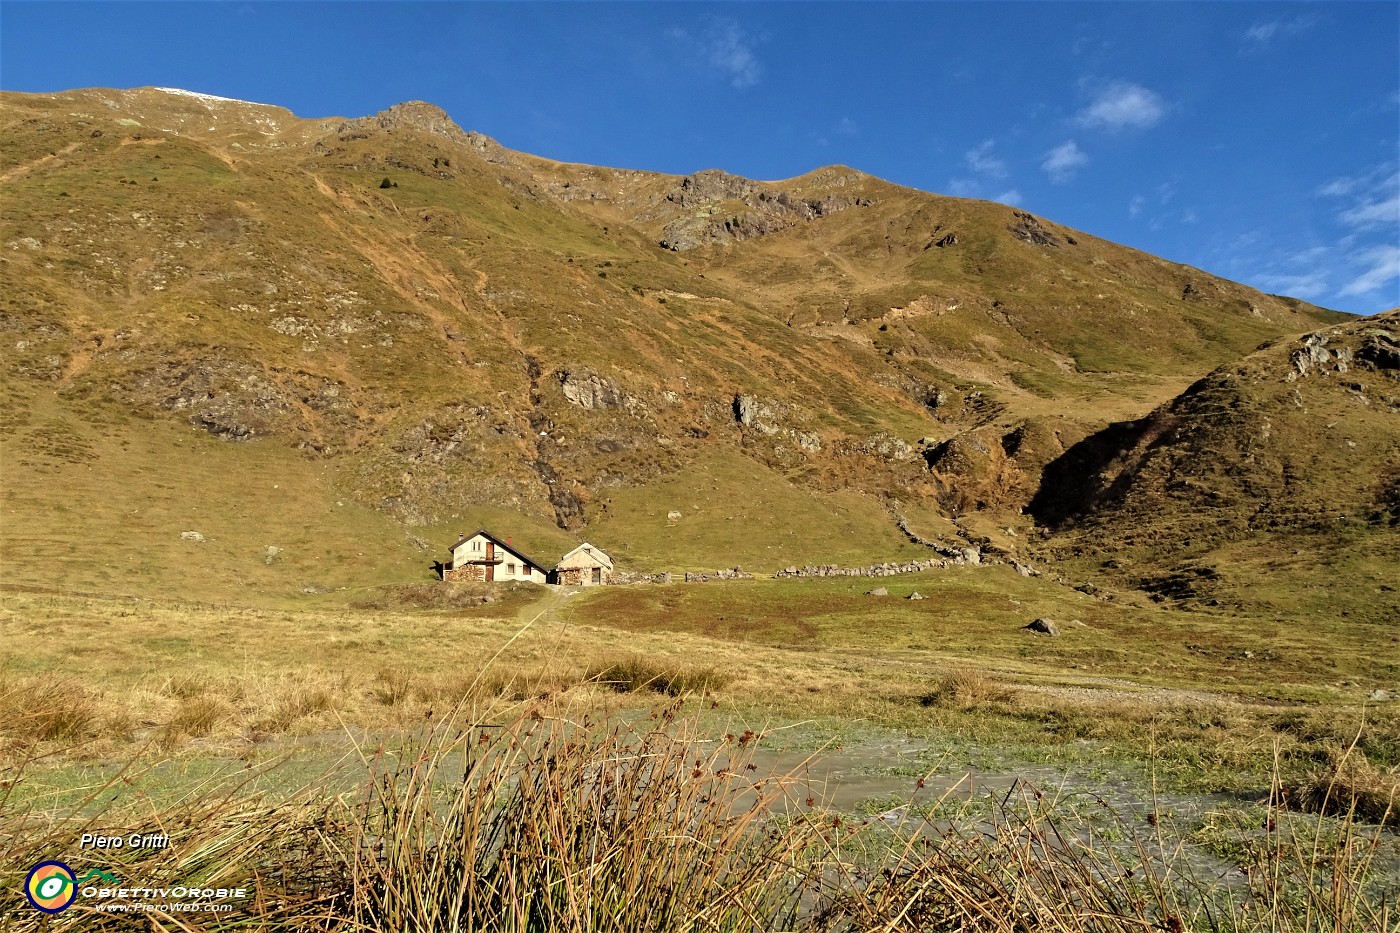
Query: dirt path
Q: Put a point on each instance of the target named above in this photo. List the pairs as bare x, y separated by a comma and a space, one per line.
1115, 690
84, 354
36, 163
550, 610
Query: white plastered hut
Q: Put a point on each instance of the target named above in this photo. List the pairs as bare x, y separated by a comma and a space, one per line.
482, 556
585, 565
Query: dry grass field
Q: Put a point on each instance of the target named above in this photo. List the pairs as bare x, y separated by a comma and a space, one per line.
318, 753
1210, 699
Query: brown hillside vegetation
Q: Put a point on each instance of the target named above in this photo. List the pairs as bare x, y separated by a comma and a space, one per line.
1292, 451
419, 330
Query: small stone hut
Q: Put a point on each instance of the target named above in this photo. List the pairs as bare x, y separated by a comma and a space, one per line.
585, 565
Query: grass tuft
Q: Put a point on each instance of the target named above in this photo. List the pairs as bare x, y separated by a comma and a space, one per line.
966, 688
198, 716
47, 708
637, 673
1353, 787
392, 686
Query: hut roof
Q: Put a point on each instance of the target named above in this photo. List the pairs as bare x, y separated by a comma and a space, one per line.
505, 544
589, 550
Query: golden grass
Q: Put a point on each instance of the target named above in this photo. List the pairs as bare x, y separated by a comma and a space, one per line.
569, 823
1352, 786
966, 688
88, 679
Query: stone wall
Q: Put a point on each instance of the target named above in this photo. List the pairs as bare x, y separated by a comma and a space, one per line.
969, 556
704, 576
467, 573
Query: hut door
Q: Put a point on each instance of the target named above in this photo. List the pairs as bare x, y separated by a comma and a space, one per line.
490, 561
597, 575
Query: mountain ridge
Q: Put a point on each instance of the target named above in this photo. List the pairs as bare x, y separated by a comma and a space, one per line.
436, 319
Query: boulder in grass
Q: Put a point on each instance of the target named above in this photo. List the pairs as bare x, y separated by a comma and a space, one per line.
878, 591
1044, 627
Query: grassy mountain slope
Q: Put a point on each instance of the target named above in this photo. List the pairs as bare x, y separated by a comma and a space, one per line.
1273, 479
208, 298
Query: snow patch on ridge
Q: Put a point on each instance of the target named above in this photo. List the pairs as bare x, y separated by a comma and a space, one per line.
204, 97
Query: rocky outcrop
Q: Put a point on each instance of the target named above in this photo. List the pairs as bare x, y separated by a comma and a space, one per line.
975, 472
1029, 229
713, 216
886, 447
412, 115
489, 149
764, 416
588, 390
710, 185
1313, 354
232, 401
760, 414
1380, 349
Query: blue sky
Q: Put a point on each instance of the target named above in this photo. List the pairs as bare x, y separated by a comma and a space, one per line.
1259, 141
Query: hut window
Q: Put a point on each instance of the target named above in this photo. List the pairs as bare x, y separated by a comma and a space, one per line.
525, 569
510, 570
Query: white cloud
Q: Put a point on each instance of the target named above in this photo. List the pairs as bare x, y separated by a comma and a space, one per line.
728, 49
1382, 266
980, 159
731, 51
1374, 196
963, 188
847, 127
1136, 205
1307, 257
1063, 161
1263, 33
973, 188
1338, 187
1122, 105
1381, 212
1308, 285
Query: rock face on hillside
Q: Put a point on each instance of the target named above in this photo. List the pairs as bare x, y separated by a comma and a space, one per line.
411, 115
713, 216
